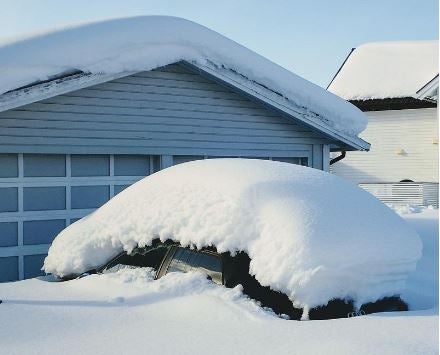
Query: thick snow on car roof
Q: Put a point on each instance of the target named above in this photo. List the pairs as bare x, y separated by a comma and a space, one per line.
383, 70
309, 234
145, 43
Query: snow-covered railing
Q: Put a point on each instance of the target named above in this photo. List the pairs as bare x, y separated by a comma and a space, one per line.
403, 193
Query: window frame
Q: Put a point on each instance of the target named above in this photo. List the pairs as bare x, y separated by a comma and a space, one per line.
169, 256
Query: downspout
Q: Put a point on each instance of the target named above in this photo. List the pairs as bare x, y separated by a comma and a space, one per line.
338, 158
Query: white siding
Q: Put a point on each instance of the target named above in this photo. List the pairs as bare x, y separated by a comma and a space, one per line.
413, 131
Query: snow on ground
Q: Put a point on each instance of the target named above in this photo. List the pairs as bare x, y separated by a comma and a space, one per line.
309, 234
145, 43
422, 286
129, 313
387, 70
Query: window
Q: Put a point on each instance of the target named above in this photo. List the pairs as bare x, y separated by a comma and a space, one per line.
185, 260
140, 257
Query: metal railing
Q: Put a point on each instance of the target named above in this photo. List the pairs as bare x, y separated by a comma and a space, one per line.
405, 193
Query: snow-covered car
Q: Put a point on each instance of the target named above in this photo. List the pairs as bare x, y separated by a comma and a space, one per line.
301, 241
230, 271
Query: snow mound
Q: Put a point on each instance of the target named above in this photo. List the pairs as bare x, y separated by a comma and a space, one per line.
409, 208
309, 234
386, 70
149, 42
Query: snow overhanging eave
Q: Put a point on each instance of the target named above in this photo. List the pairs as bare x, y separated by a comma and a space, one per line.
46, 90
277, 102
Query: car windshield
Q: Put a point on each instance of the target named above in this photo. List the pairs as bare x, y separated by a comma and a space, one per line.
185, 260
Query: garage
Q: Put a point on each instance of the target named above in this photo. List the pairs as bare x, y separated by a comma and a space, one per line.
70, 143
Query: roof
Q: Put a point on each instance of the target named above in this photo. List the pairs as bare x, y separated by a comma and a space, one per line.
144, 43
385, 70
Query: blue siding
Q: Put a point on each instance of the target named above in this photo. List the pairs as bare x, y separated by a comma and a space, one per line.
169, 111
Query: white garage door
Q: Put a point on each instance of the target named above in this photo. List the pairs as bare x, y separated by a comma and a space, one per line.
42, 194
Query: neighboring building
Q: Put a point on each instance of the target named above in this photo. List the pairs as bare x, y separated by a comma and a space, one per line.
70, 143
396, 85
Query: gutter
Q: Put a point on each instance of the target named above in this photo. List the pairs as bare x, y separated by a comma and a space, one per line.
338, 158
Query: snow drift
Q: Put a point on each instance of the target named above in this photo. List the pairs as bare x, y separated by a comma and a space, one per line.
149, 42
309, 234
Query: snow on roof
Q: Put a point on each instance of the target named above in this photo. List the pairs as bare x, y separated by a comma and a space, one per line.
145, 43
308, 233
386, 70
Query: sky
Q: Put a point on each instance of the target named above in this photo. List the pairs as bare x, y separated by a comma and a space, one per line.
310, 38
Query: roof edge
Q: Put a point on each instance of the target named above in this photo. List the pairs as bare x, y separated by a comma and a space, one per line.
340, 68
277, 102
47, 89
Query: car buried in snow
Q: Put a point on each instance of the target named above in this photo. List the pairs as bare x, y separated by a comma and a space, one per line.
302, 242
230, 271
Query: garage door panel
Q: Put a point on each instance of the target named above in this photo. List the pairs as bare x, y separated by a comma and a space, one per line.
44, 198
90, 165
33, 265
8, 165
89, 196
50, 165
120, 188
8, 234
9, 268
132, 165
8, 199
42, 231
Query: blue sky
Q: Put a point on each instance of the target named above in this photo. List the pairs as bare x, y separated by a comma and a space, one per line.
310, 38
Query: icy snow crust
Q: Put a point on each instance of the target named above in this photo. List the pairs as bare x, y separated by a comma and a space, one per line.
309, 234
387, 70
145, 43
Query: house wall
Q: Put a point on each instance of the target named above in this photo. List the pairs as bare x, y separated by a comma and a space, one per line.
63, 157
414, 131
169, 111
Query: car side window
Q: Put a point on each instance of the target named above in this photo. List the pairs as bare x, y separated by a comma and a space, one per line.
143, 257
185, 260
